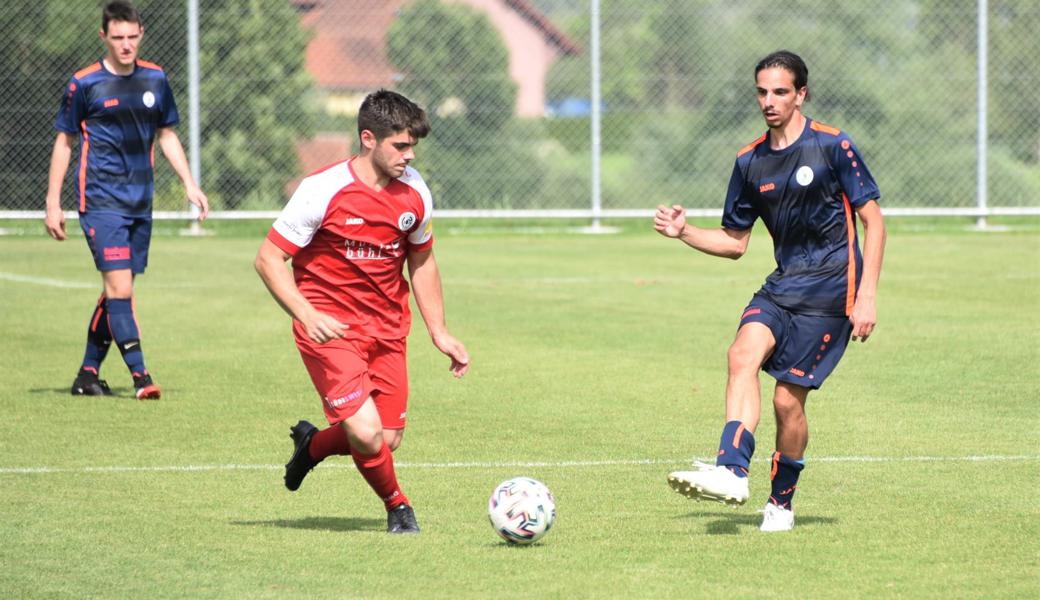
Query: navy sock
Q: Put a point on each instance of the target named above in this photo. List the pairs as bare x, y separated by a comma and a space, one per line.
123, 324
785, 479
735, 448
99, 339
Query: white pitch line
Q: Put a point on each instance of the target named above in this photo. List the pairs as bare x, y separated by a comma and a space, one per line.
500, 464
59, 283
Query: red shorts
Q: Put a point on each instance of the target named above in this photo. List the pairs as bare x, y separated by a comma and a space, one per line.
347, 371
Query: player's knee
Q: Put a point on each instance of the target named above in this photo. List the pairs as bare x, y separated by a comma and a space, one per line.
788, 409
367, 439
393, 438
742, 359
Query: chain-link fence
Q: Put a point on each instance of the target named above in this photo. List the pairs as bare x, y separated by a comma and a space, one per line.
507, 84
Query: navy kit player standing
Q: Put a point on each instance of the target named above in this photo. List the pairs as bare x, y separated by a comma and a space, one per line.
808, 184
117, 108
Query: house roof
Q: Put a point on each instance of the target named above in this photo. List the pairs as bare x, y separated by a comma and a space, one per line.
348, 47
542, 23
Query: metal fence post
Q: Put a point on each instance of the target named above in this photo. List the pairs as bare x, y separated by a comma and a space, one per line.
982, 146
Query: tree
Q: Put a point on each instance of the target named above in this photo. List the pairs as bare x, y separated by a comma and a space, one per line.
454, 62
254, 111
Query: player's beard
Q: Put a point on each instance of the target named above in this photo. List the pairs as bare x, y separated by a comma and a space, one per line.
387, 169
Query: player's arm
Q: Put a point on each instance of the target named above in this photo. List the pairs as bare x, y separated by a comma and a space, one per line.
864, 311
55, 219
174, 152
270, 265
724, 242
429, 297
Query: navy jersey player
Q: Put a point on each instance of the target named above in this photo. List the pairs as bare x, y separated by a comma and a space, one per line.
118, 108
808, 184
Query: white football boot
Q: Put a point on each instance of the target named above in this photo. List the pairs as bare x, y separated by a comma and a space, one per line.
776, 518
710, 482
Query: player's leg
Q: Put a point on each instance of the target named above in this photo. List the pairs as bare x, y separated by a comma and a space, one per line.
338, 370
388, 368
792, 436
812, 351
114, 242
375, 461
389, 372
122, 321
99, 340
726, 481
754, 343
792, 426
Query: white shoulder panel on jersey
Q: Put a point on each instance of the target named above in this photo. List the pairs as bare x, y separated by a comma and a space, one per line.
424, 231
302, 216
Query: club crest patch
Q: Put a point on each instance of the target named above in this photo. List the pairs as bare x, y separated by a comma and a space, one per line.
406, 221
804, 175
148, 99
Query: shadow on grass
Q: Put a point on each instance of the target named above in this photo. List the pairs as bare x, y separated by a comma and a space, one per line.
321, 523
721, 523
117, 393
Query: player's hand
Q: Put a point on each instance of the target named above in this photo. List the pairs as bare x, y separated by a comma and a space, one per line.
670, 222
196, 197
322, 328
454, 350
55, 223
863, 318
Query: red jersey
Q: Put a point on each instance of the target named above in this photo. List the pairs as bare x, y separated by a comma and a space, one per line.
349, 242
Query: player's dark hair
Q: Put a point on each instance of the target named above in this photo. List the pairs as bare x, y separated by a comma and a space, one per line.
792, 63
119, 10
385, 113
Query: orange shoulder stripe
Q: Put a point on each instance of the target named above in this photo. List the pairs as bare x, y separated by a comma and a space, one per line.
825, 128
87, 71
148, 65
751, 146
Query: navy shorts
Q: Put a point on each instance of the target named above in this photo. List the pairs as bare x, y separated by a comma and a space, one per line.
808, 347
117, 241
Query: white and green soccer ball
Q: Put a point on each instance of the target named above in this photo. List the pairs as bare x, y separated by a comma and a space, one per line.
521, 510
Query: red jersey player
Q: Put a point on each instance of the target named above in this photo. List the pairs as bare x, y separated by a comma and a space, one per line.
350, 228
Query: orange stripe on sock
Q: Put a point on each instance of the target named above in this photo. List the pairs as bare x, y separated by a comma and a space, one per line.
776, 464
98, 310
736, 436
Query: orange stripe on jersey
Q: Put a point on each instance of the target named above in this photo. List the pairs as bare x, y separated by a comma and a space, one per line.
87, 71
825, 128
751, 146
83, 168
850, 291
148, 65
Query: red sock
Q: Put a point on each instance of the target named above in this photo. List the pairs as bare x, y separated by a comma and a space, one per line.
328, 442
378, 471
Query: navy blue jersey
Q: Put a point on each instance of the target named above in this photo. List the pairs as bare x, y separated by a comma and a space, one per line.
806, 195
117, 118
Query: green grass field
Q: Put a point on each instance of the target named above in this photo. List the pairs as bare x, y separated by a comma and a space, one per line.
598, 367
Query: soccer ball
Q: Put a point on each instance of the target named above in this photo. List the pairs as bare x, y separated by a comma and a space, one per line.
521, 510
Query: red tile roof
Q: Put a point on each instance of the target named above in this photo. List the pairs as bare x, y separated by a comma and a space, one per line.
348, 47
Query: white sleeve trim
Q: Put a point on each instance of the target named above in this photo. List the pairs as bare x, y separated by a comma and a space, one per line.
424, 231
305, 211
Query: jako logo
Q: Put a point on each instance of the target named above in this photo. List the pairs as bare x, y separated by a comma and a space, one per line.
766, 187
